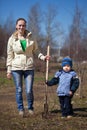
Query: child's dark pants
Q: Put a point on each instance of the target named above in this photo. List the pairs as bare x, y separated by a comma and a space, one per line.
66, 106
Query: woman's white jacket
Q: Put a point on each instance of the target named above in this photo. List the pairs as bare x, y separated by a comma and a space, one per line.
17, 59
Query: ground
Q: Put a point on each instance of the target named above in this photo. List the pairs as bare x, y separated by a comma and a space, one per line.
10, 120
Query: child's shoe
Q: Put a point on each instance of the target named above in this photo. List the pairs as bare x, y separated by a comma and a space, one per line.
63, 117
69, 116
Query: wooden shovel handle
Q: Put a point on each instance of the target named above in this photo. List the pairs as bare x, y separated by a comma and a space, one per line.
47, 62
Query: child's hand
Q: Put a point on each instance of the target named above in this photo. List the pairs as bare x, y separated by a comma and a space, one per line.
71, 93
47, 82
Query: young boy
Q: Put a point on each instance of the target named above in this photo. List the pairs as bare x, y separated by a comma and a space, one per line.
68, 83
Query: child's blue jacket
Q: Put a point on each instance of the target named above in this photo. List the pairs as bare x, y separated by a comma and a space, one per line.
67, 81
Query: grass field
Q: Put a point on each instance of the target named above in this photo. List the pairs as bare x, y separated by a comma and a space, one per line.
10, 120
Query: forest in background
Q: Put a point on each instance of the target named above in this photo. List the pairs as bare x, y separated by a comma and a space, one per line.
46, 29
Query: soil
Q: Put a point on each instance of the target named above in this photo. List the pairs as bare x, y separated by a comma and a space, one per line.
10, 119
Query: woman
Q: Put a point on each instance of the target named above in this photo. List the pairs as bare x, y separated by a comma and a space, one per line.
20, 64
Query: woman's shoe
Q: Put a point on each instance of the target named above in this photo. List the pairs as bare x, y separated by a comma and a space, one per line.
31, 112
21, 113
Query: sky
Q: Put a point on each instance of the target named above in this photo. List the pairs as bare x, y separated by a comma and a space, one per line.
20, 8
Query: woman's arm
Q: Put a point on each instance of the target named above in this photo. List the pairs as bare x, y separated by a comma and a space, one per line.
10, 55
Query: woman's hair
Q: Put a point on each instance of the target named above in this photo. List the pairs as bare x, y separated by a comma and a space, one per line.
21, 19
26, 32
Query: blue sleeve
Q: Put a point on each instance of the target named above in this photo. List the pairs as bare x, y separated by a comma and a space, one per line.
74, 84
53, 81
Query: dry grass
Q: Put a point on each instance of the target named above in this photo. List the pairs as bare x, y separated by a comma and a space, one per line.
10, 120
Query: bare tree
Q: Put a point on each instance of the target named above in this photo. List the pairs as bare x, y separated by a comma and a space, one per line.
52, 28
9, 25
45, 26
76, 46
76, 42
2, 34
6, 30
34, 22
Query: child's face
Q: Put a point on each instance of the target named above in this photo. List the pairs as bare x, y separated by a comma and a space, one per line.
66, 68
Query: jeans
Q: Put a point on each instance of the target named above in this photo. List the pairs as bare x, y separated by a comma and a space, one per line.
66, 106
28, 76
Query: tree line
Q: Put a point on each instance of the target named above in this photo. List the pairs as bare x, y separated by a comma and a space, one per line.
47, 29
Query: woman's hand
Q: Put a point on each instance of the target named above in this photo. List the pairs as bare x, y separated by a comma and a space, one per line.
47, 57
9, 76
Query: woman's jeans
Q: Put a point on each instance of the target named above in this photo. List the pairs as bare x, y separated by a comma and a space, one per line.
28, 76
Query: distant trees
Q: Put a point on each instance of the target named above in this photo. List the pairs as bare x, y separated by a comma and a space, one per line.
46, 29
44, 25
76, 44
6, 30
34, 22
2, 41
52, 28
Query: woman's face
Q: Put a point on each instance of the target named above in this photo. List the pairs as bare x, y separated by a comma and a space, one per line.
66, 68
21, 26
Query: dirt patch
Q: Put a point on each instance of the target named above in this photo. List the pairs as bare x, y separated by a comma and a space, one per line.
10, 120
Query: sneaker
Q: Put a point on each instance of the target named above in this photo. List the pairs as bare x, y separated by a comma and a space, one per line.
21, 113
63, 117
31, 112
68, 117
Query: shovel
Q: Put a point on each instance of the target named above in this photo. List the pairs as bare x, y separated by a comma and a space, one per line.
46, 97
